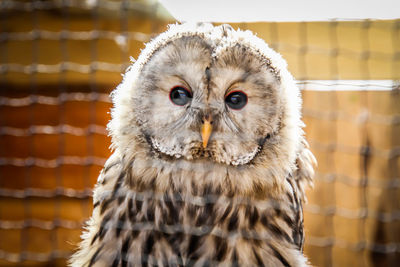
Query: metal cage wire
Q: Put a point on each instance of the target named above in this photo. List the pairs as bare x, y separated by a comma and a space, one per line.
31, 97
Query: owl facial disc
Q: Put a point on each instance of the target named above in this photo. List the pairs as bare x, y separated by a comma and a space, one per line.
208, 96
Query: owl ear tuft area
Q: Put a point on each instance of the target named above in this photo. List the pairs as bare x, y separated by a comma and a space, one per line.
306, 164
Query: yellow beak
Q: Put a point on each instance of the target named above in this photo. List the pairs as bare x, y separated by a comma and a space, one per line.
206, 130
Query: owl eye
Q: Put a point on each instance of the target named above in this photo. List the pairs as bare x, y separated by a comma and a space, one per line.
236, 100
180, 95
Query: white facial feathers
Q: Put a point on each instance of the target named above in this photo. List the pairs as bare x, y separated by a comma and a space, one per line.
210, 62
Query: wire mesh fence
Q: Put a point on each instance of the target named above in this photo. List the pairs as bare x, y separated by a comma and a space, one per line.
59, 60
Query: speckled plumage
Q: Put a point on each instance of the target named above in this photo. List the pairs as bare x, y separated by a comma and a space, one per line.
162, 198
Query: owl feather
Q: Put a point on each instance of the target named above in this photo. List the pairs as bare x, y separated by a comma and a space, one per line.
171, 195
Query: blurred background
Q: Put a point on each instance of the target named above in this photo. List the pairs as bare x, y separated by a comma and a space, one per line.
60, 59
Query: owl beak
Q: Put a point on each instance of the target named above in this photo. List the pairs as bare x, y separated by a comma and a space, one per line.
206, 129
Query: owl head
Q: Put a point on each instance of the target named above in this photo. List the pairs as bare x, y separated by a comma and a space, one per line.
211, 95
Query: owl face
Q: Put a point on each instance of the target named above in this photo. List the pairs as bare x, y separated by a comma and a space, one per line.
197, 104
206, 93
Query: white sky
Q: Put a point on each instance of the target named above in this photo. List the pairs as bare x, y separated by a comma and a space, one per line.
281, 10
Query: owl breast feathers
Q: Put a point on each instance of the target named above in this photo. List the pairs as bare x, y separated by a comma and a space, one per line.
210, 163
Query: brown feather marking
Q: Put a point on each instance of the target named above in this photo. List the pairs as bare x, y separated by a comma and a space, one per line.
297, 227
103, 229
116, 260
105, 204
124, 251
120, 224
135, 233
233, 221
172, 211
131, 212
109, 166
258, 259
194, 243
226, 213
120, 199
149, 215
287, 219
174, 240
94, 238
222, 248
93, 259
279, 256
191, 210
118, 183
278, 232
205, 215
252, 214
235, 261
148, 245
138, 205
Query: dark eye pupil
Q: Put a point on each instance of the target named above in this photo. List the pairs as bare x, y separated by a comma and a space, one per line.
180, 96
236, 100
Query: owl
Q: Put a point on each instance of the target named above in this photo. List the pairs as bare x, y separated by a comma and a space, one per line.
209, 163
